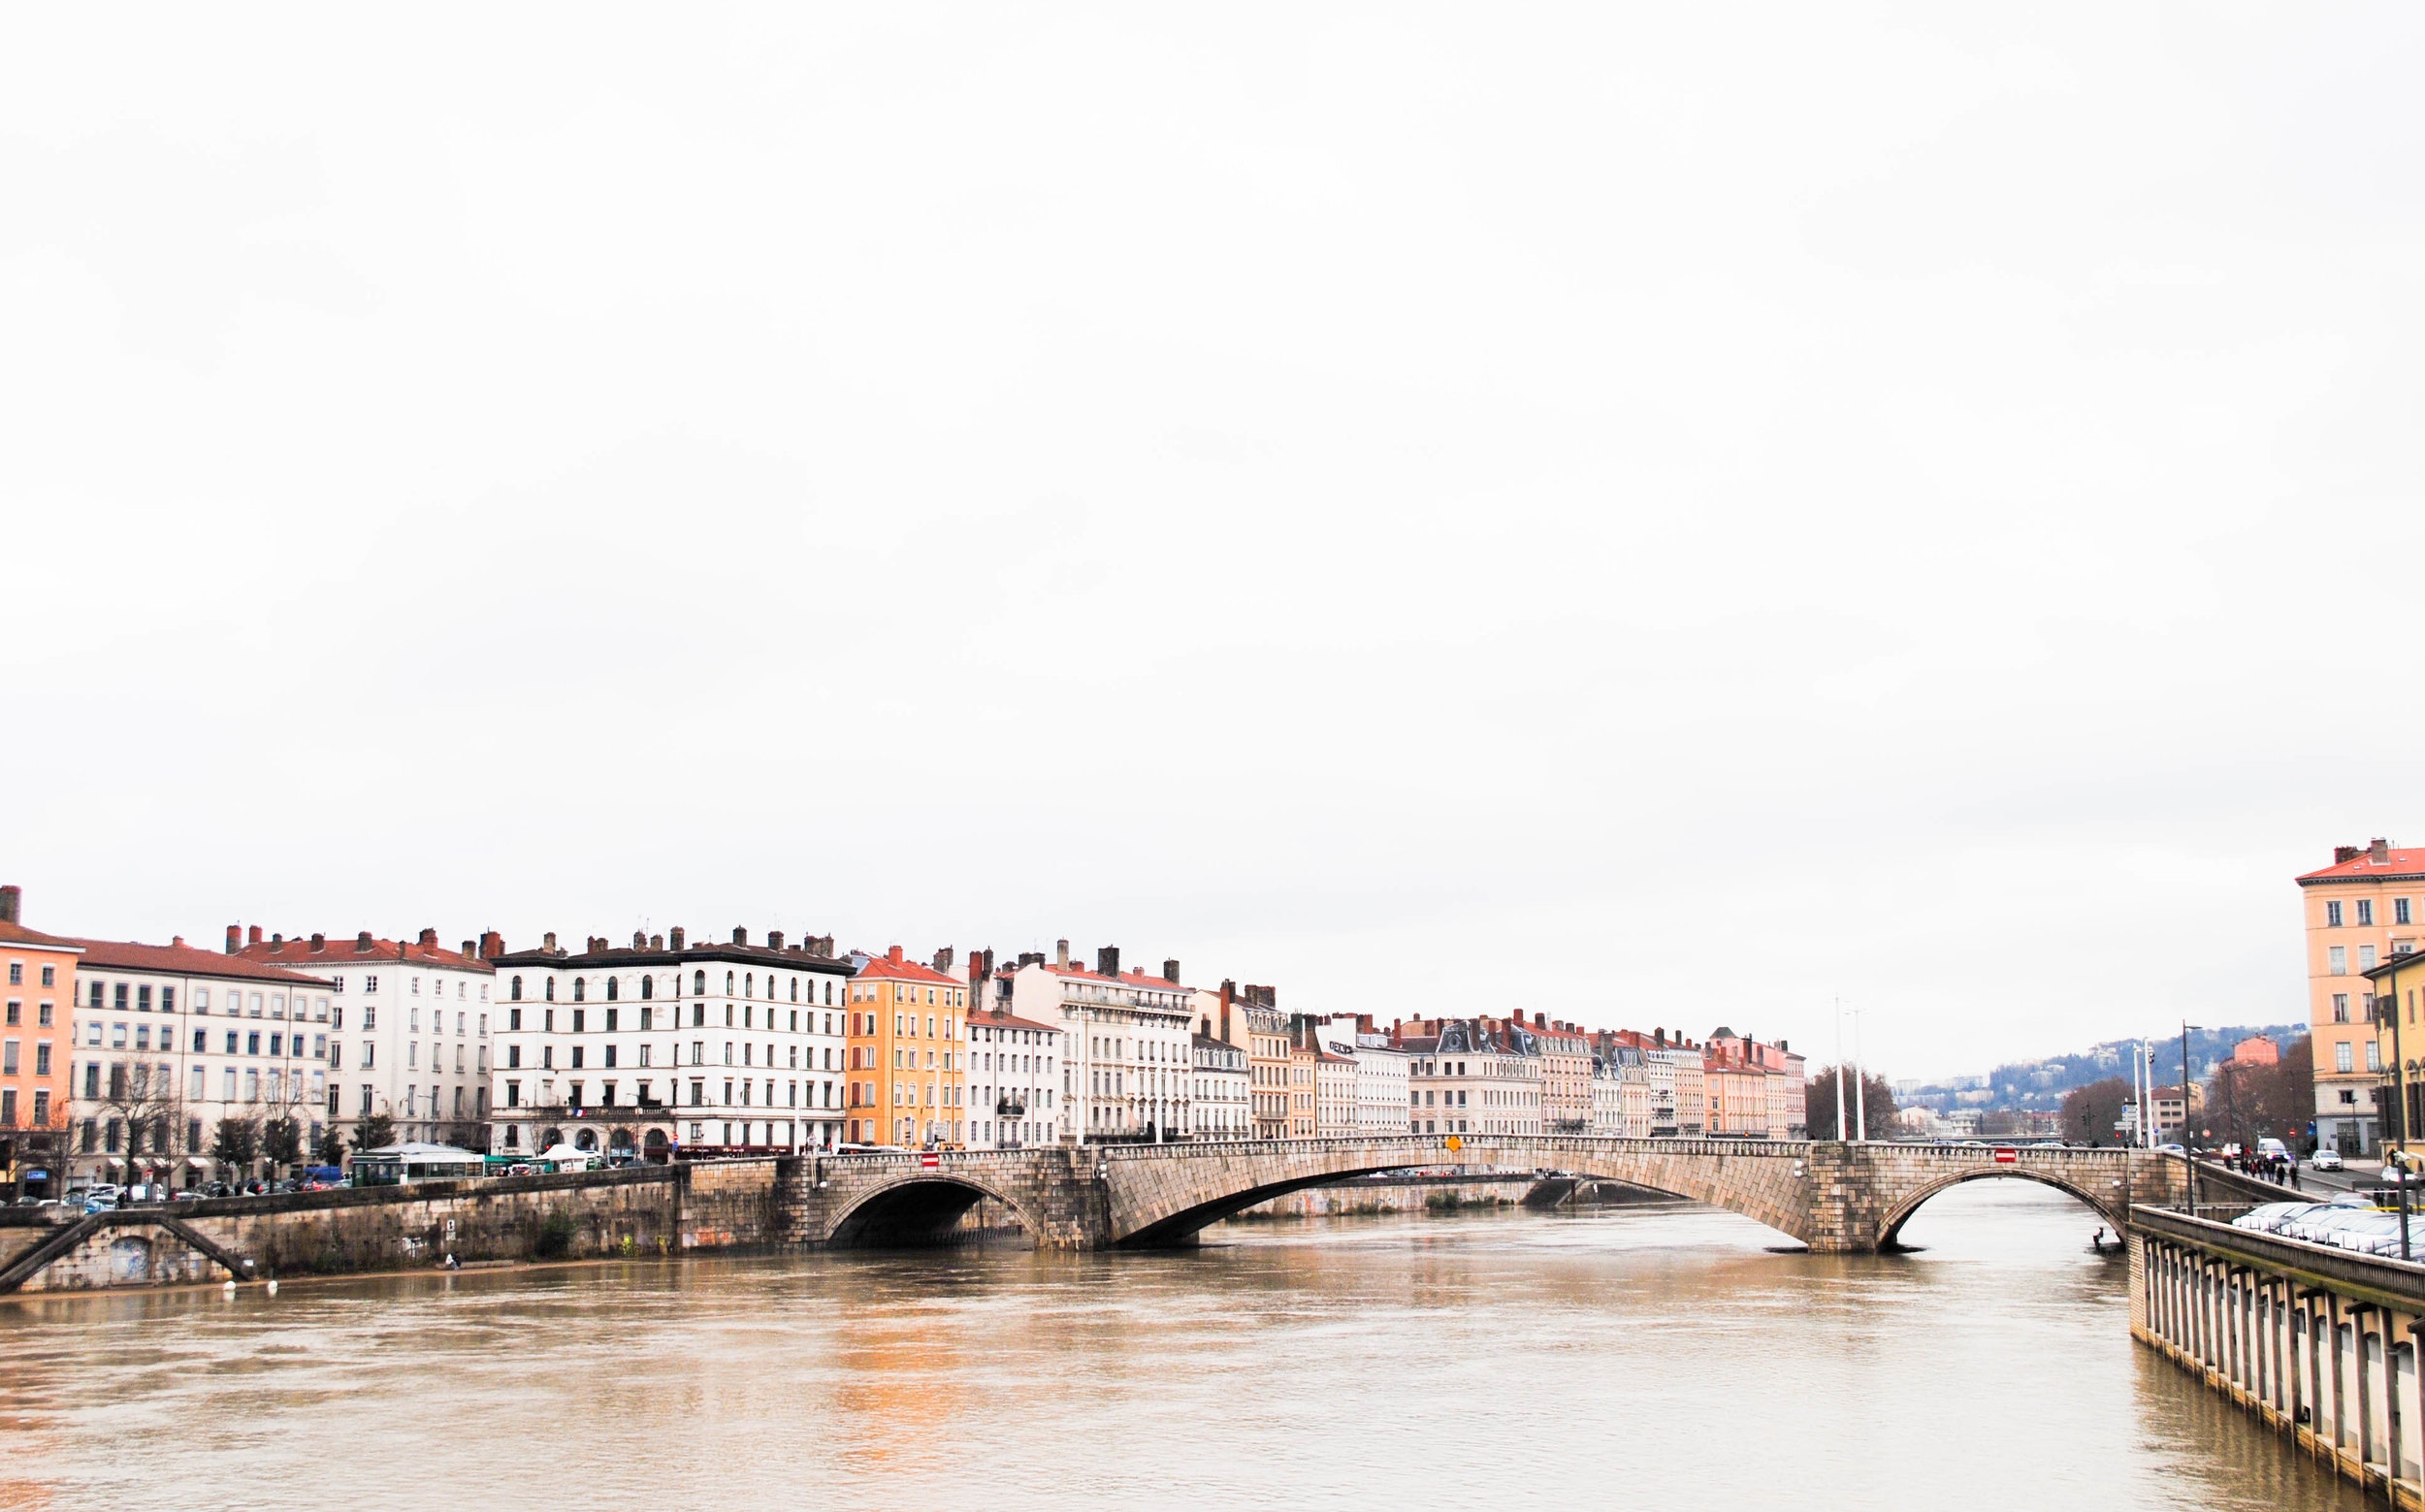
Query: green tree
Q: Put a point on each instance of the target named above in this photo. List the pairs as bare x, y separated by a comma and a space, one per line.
237, 1143
376, 1132
2091, 1112
1819, 1106
281, 1142
332, 1147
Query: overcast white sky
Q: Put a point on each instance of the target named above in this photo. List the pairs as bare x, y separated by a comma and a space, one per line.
1665, 515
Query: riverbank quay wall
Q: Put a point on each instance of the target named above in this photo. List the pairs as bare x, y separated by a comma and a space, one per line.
632, 1211
2318, 1343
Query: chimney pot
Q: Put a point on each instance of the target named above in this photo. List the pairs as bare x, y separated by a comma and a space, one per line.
12, 902
774, 938
361, 941
548, 940
1060, 956
1107, 960
319, 943
943, 959
277, 942
492, 945
655, 942
740, 936
471, 950
674, 940
235, 939
176, 941
2342, 854
894, 956
2379, 850
429, 938
1170, 972
252, 936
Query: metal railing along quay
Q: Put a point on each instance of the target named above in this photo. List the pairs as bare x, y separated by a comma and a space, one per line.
2319, 1343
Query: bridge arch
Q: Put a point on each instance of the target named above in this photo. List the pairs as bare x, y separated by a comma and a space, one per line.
1158, 1204
919, 1208
1906, 1205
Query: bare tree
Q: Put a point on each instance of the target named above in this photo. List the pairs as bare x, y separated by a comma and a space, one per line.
1877, 1112
142, 1103
2091, 1112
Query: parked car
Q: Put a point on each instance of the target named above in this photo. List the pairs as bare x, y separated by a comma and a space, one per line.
2269, 1217
2273, 1148
2326, 1159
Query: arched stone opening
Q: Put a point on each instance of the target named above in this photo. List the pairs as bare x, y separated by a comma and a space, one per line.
1889, 1232
654, 1147
924, 1212
586, 1140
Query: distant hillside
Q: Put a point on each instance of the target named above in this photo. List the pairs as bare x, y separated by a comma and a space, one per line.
2041, 1084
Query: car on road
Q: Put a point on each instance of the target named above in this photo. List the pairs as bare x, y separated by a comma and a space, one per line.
2326, 1159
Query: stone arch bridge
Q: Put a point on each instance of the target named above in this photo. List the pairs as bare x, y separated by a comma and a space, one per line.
1833, 1198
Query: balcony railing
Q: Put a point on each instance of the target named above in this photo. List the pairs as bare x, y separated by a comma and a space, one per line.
1007, 1109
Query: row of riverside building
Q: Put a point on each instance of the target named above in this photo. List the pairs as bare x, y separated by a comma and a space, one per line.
129, 1061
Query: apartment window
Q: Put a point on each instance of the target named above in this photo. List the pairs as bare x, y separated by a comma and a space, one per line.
17, 1014
41, 1015
2373, 1057
42, 1058
2338, 958
699, 988
580, 989
513, 992
648, 987
369, 985
50, 979
2332, 914
2342, 1061
2366, 910
611, 993
370, 1057
547, 989
17, 973
8, 1057
2366, 957
117, 1000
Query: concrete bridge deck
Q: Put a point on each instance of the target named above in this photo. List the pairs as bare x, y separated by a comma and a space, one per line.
1831, 1197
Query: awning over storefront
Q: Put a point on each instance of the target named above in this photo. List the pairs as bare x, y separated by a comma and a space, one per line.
197, 1162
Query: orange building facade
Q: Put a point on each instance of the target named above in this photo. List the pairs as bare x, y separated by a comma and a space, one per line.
2359, 912
35, 1039
908, 1071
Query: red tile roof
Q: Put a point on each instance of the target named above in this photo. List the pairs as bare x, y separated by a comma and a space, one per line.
906, 970
1126, 979
2410, 862
297, 953
181, 960
985, 1019
32, 938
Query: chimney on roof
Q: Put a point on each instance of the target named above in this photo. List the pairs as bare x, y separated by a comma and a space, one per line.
989, 960
1170, 972
1060, 952
2342, 854
1107, 960
362, 942
471, 950
639, 939
740, 936
277, 942
655, 942
12, 901
252, 936
235, 939
673, 941
774, 938
977, 972
491, 945
894, 956
944, 960
2379, 850
547, 940
429, 938
319, 943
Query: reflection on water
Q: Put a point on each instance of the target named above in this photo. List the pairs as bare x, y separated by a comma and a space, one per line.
1636, 1358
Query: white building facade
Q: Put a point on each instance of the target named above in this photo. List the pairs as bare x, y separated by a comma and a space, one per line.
408, 1035
1013, 1071
1128, 1060
168, 1040
664, 1047
1221, 1104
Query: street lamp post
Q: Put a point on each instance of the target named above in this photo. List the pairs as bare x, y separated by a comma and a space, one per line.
2389, 1004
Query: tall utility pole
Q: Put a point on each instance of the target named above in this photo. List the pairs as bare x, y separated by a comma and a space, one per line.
1839, 1071
2188, 1150
1861, 1105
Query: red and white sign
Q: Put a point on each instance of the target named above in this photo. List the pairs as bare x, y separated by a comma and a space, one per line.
2007, 1157
930, 1161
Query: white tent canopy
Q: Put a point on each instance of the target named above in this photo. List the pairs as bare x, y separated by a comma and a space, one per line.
566, 1155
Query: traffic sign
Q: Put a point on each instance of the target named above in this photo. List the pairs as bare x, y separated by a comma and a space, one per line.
2007, 1157
930, 1161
